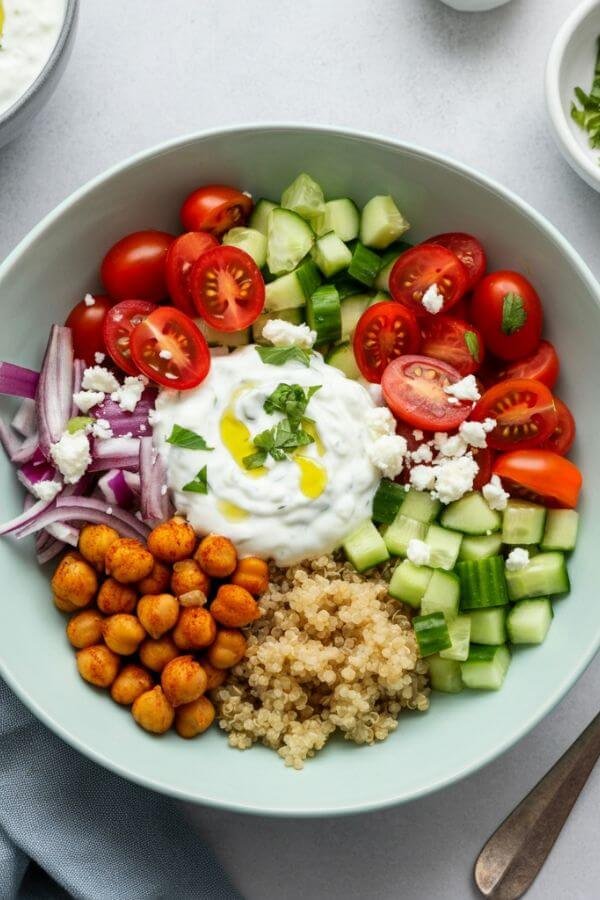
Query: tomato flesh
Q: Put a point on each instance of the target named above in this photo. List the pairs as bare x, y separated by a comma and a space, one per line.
508, 312
118, 327
524, 411
541, 476
215, 208
384, 332
421, 267
135, 266
484, 457
468, 249
454, 342
227, 288
413, 388
543, 365
170, 349
183, 253
561, 439
86, 321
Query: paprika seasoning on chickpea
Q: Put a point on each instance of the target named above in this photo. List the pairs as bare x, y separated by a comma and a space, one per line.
94, 541
127, 561
123, 633
234, 606
152, 711
172, 541
85, 628
158, 613
131, 681
183, 680
195, 628
157, 581
252, 573
227, 650
114, 597
75, 581
217, 556
155, 654
188, 576
194, 718
98, 665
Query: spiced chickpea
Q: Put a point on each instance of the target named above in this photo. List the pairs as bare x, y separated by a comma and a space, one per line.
188, 576
94, 541
214, 677
252, 573
114, 597
130, 683
234, 606
75, 581
228, 649
158, 613
183, 680
155, 654
173, 540
123, 633
64, 606
193, 718
85, 628
98, 665
217, 556
157, 581
153, 712
195, 628
127, 560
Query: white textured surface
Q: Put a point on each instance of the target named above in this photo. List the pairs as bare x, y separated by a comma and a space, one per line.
464, 84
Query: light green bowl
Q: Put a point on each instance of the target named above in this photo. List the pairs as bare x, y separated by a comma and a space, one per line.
58, 263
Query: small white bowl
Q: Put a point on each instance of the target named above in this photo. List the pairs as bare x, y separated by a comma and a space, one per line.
570, 63
474, 5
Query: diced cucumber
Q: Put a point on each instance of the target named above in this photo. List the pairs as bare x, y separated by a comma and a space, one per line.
324, 315
523, 522
488, 626
387, 501
473, 548
341, 356
292, 290
544, 576
388, 259
216, 338
381, 223
289, 239
260, 215
459, 630
342, 217
365, 547
401, 532
482, 583
364, 265
529, 620
431, 633
444, 546
445, 674
471, 515
347, 286
419, 505
409, 582
442, 594
251, 240
380, 297
295, 316
486, 667
305, 197
352, 310
331, 254
561, 530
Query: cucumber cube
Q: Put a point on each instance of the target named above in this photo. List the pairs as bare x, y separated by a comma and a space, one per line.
420, 506
401, 532
444, 674
215, 338
260, 215
382, 223
305, 197
480, 547
444, 546
459, 630
409, 582
485, 667
341, 356
442, 594
365, 547
340, 216
561, 530
352, 309
482, 583
331, 254
544, 575
523, 522
529, 620
387, 501
292, 290
488, 626
252, 241
471, 515
289, 239
431, 633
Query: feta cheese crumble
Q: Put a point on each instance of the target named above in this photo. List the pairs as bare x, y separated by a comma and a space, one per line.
374, 391
380, 421
422, 454
494, 493
101, 429
129, 394
97, 378
432, 299
418, 434
465, 389
455, 477
84, 400
475, 433
71, 455
422, 478
99, 357
452, 447
418, 552
387, 454
284, 334
89, 300
517, 559
46, 490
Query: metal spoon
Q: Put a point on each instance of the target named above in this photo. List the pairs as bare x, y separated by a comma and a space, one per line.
515, 853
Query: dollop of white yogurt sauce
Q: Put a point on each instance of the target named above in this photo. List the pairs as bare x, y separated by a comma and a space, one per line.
267, 512
31, 29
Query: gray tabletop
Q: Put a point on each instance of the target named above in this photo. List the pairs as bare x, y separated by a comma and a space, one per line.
467, 85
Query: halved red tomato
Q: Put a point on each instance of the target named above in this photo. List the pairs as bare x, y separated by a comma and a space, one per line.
227, 288
484, 457
183, 253
508, 312
541, 476
86, 321
135, 266
215, 208
119, 323
423, 267
413, 388
454, 342
468, 249
384, 332
543, 365
561, 439
524, 411
170, 349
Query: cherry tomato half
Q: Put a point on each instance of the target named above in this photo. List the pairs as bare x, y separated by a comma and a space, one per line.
86, 321
170, 349
118, 326
561, 439
413, 388
183, 253
543, 365
215, 208
468, 249
135, 266
508, 313
417, 269
540, 476
454, 342
484, 457
227, 288
524, 411
384, 332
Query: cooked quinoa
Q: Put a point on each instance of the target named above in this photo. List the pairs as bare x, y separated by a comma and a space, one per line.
331, 651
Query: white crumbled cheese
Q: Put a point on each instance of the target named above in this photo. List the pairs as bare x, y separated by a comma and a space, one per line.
465, 389
418, 552
422, 478
489, 425
99, 357
422, 454
474, 434
89, 300
455, 477
432, 299
84, 400
374, 391
387, 454
71, 455
97, 378
163, 490
418, 434
46, 490
129, 394
101, 429
109, 510
494, 493
453, 447
517, 559
165, 354
284, 334
453, 401
380, 421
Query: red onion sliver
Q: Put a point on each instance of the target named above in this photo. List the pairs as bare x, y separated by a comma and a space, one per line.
25, 419
51, 549
66, 534
54, 396
92, 504
28, 450
17, 381
9, 440
153, 501
115, 453
114, 489
78, 370
26, 518
85, 514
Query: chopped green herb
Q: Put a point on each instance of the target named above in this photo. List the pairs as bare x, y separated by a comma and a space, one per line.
587, 114
472, 343
513, 313
256, 460
189, 440
278, 356
291, 400
79, 423
199, 483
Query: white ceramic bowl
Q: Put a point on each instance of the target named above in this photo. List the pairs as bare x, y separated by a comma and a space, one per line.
474, 5
571, 63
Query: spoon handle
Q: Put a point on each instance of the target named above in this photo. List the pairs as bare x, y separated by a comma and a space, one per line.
513, 856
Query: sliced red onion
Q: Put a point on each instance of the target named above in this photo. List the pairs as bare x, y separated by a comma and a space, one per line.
31, 474
79, 367
85, 513
18, 381
154, 502
51, 549
115, 489
54, 395
93, 505
127, 423
28, 450
25, 419
26, 518
66, 534
133, 482
115, 453
9, 440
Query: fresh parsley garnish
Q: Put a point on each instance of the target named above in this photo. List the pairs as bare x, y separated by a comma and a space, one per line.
256, 460
513, 313
79, 423
588, 116
288, 434
278, 356
198, 484
291, 400
472, 344
189, 440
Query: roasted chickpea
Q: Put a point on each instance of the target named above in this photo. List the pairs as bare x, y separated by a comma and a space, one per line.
217, 556
228, 649
158, 613
129, 684
116, 598
98, 665
123, 633
173, 540
94, 541
194, 718
193, 598
127, 560
215, 677
156, 654
188, 576
157, 581
64, 606
253, 574
85, 628
195, 629
75, 580
234, 606
153, 712
183, 680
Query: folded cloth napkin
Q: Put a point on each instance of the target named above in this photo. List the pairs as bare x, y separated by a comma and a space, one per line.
95, 834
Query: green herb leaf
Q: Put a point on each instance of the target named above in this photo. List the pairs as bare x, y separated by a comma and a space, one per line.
472, 342
278, 356
291, 400
513, 313
188, 440
255, 460
199, 484
79, 423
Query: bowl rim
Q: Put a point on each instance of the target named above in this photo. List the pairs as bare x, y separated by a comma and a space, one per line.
70, 16
571, 149
471, 174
